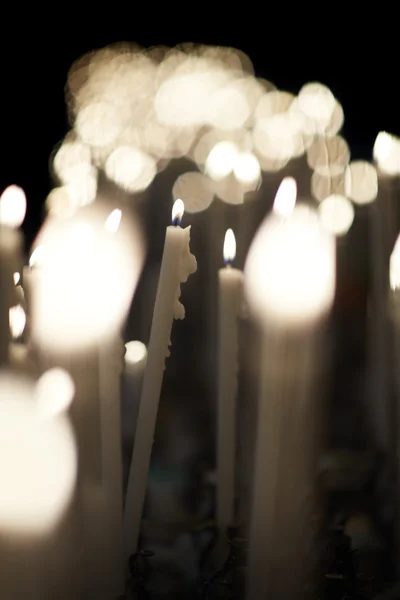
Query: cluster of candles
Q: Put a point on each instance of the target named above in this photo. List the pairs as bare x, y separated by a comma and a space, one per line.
61, 317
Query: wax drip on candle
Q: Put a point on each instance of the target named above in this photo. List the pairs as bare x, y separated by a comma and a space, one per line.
187, 266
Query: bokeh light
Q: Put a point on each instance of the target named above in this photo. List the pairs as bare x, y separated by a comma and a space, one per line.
361, 182
336, 214
197, 190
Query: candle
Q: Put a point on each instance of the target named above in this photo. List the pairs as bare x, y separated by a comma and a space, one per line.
177, 264
12, 213
289, 284
135, 364
230, 302
38, 466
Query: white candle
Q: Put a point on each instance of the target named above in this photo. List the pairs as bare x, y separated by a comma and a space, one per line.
135, 364
289, 283
38, 466
177, 264
12, 213
230, 303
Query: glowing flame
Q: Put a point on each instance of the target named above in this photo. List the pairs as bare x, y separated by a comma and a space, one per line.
17, 278
229, 247
136, 351
17, 318
285, 199
37, 256
177, 211
394, 270
113, 220
54, 392
12, 206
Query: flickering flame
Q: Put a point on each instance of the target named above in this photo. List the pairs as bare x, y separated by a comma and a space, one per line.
136, 351
12, 206
17, 318
229, 247
17, 278
113, 220
285, 199
394, 269
37, 256
54, 392
177, 211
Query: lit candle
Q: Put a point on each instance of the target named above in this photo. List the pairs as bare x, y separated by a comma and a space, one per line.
38, 467
289, 284
230, 303
12, 213
177, 264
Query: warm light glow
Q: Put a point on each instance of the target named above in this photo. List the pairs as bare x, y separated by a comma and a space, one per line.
17, 321
285, 199
197, 190
12, 206
54, 392
38, 256
17, 278
135, 352
38, 461
178, 209
290, 270
329, 156
361, 182
247, 168
387, 153
87, 279
221, 160
336, 214
318, 103
131, 168
113, 220
229, 247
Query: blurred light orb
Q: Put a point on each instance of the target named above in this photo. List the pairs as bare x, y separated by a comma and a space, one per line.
87, 279
38, 461
328, 156
361, 182
222, 160
131, 168
394, 268
326, 185
290, 270
70, 154
229, 108
273, 103
61, 202
318, 103
54, 392
247, 168
12, 206
336, 214
17, 321
336, 121
197, 190
99, 123
38, 256
387, 153
278, 138
135, 352
285, 197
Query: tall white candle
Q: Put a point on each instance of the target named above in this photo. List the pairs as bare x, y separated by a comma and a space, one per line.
230, 303
289, 283
12, 213
177, 264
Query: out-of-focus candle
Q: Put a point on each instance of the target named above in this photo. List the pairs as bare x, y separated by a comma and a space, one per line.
12, 213
230, 303
38, 466
177, 264
289, 284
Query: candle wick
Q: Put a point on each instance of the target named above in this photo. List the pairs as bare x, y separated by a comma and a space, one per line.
177, 221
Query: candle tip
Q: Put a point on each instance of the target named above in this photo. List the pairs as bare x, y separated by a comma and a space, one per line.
229, 251
285, 199
177, 212
113, 220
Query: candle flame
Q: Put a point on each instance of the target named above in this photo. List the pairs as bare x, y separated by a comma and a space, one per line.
394, 270
285, 199
383, 145
177, 211
54, 392
229, 247
17, 318
12, 206
113, 220
36, 258
135, 352
17, 278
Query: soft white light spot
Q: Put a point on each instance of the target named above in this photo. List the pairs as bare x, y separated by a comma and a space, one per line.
336, 214
285, 198
54, 392
113, 220
136, 351
178, 209
12, 206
